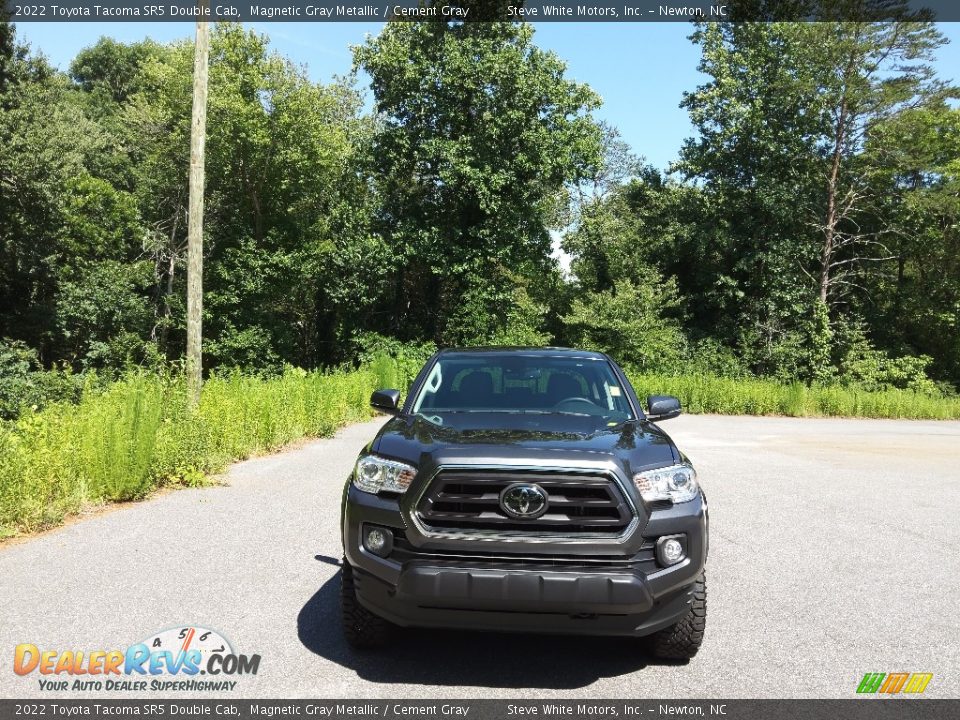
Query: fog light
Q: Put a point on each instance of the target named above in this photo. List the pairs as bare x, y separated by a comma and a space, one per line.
377, 540
671, 549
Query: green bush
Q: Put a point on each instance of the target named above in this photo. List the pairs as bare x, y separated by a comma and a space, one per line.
875, 370
729, 396
495, 310
631, 322
24, 385
397, 362
709, 357
136, 436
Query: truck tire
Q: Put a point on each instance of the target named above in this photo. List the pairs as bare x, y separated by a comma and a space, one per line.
362, 629
681, 640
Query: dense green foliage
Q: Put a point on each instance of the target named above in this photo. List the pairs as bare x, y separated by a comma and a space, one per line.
93, 198
752, 396
25, 385
808, 232
811, 226
480, 133
136, 436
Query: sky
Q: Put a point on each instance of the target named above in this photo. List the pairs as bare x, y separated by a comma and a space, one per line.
641, 70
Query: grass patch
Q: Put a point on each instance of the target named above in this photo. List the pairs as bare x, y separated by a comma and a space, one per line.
123, 443
725, 396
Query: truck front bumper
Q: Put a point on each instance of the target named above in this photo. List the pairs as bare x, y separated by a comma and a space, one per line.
550, 591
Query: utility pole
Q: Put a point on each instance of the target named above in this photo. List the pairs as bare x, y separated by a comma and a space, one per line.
198, 136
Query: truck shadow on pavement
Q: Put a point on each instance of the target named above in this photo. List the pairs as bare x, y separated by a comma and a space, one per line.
453, 657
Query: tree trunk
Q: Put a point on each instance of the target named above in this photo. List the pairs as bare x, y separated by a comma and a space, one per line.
195, 231
167, 309
168, 292
830, 222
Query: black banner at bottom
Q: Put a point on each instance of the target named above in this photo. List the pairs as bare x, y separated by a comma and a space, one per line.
867, 708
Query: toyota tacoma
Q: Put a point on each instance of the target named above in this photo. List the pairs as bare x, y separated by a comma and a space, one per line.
527, 490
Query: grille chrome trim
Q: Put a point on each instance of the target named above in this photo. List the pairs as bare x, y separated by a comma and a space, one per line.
468, 534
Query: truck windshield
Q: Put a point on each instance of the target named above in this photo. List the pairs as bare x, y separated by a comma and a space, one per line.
510, 382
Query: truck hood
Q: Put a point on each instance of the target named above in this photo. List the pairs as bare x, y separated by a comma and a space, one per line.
525, 438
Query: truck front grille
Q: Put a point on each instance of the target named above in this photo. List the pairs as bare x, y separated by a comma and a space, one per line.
577, 504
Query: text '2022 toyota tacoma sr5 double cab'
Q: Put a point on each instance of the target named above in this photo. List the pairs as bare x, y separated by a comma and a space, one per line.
525, 490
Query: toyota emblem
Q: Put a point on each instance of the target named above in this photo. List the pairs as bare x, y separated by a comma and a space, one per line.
524, 501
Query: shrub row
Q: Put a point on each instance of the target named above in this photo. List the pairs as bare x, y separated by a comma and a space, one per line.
122, 443
726, 396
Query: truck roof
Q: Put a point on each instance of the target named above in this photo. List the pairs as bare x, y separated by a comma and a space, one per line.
526, 350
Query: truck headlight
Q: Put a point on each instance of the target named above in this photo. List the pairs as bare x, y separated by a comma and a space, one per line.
677, 483
373, 474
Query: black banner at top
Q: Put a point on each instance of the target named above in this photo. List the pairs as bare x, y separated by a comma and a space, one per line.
478, 10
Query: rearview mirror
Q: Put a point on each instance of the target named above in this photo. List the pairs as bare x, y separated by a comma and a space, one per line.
386, 401
662, 407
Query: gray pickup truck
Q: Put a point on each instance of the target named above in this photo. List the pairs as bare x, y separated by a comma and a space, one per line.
527, 490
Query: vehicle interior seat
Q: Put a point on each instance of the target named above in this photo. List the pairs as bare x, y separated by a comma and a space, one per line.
476, 389
561, 386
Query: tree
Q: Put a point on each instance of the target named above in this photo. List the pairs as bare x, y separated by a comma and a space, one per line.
47, 142
784, 123
755, 160
915, 304
290, 208
291, 266
864, 74
157, 125
102, 301
93, 196
629, 322
7, 50
18, 65
112, 68
480, 131
498, 313
627, 230
617, 166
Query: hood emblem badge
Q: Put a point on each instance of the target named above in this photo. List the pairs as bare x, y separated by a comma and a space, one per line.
524, 501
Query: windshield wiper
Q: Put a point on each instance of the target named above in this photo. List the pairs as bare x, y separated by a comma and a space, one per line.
570, 412
472, 410
514, 411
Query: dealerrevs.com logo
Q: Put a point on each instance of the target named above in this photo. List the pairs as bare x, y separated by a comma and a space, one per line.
172, 659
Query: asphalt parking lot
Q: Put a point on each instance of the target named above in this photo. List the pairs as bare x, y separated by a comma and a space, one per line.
835, 551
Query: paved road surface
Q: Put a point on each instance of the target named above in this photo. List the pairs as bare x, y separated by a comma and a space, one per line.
835, 551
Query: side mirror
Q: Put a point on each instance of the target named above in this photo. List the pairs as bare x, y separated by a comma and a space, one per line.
386, 401
662, 407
